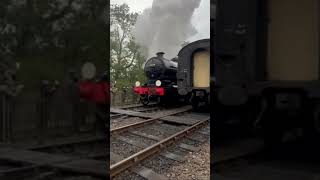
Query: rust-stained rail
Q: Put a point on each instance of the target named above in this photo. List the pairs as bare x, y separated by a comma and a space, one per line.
135, 106
139, 156
151, 120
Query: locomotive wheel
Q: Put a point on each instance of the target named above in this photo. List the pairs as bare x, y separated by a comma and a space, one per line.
145, 100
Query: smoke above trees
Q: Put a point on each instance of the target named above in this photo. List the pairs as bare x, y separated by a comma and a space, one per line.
166, 26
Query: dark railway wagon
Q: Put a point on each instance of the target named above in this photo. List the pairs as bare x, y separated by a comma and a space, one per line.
162, 81
267, 64
194, 72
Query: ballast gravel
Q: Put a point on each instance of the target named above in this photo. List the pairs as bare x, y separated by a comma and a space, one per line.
123, 149
196, 166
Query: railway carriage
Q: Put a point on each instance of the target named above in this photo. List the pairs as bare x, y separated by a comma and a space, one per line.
194, 72
267, 64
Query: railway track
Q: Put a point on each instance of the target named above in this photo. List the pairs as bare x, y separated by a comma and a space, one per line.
78, 157
143, 108
18, 164
120, 117
152, 108
165, 137
137, 106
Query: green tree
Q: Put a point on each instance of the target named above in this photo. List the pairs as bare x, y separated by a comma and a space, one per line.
126, 57
49, 37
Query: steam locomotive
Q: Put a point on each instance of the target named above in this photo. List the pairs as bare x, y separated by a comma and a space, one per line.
161, 86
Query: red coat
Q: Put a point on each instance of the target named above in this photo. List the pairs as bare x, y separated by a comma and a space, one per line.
97, 92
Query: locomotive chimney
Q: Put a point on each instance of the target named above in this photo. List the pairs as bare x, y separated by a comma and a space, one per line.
160, 54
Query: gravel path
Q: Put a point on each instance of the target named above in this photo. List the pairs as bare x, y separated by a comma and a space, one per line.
196, 167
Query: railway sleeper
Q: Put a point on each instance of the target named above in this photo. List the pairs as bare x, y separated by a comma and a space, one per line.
132, 142
197, 138
145, 135
205, 132
173, 156
189, 147
148, 173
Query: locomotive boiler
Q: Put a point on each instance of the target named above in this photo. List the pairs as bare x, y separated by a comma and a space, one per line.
161, 85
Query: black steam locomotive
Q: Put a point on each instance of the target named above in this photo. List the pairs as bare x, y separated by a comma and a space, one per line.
161, 86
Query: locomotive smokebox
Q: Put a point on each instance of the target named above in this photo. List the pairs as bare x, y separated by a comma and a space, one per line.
160, 54
160, 68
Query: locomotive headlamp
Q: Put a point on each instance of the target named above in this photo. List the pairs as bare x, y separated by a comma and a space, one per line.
138, 84
158, 83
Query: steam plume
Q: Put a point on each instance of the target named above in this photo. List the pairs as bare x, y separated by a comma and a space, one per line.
166, 26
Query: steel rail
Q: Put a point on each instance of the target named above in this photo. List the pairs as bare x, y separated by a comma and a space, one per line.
135, 106
151, 120
153, 149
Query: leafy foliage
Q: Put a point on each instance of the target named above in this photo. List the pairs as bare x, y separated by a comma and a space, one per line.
126, 57
51, 37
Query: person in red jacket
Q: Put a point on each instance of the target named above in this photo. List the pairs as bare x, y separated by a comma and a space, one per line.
101, 98
96, 93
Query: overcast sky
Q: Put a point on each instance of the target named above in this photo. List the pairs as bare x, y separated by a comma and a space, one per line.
201, 18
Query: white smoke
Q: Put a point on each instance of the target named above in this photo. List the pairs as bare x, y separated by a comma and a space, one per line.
166, 26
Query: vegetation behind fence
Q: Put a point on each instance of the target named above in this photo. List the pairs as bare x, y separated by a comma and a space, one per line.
123, 96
